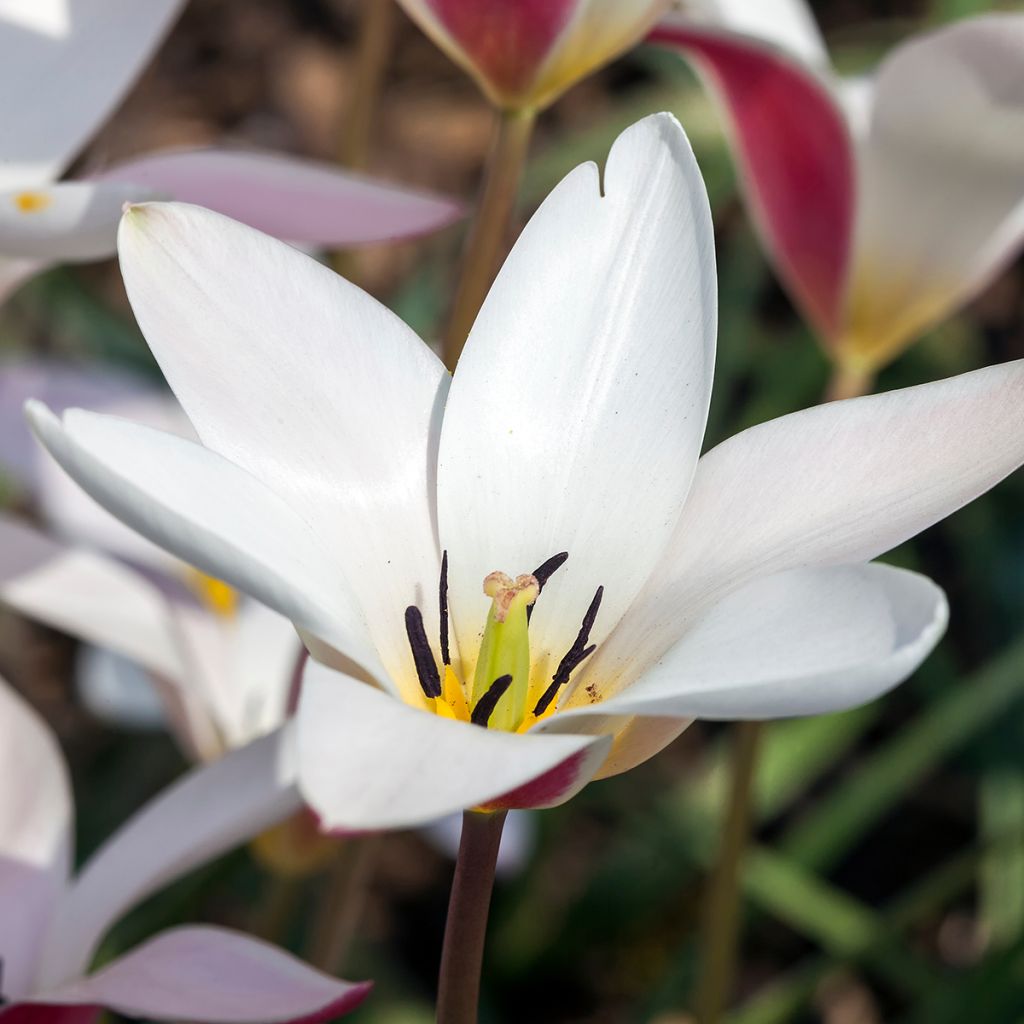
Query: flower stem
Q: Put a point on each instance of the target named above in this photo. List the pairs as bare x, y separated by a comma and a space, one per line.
720, 939
848, 382
721, 920
487, 237
337, 919
376, 31
458, 991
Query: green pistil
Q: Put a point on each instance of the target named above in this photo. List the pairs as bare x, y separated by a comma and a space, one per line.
505, 649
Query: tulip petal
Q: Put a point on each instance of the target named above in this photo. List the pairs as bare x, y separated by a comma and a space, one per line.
795, 155
212, 514
368, 761
942, 207
578, 407
88, 596
206, 813
35, 837
836, 484
787, 24
66, 65
803, 642
298, 200
67, 222
212, 975
306, 382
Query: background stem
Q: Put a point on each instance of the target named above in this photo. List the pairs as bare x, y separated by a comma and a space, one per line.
485, 246
458, 992
720, 939
341, 909
719, 946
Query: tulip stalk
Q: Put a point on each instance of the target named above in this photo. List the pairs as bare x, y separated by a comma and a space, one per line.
489, 232
720, 939
458, 992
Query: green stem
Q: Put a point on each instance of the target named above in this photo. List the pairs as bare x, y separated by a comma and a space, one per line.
720, 939
485, 245
337, 919
719, 945
458, 991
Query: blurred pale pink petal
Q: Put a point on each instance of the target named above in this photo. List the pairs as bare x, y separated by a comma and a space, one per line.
35, 837
215, 976
60, 385
206, 813
297, 200
795, 154
66, 65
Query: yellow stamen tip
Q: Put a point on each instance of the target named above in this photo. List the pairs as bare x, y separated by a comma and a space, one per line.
32, 202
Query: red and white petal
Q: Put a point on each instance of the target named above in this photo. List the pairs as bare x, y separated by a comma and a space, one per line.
578, 407
368, 761
833, 485
206, 813
942, 194
803, 642
787, 24
281, 365
66, 66
795, 154
35, 837
293, 199
215, 976
212, 514
66, 222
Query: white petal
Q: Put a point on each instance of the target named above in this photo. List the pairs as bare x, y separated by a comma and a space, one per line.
67, 222
88, 596
369, 761
212, 975
209, 811
35, 836
578, 408
264, 651
840, 483
310, 385
941, 193
298, 200
212, 514
803, 642
787, 24
68, 510
66, 65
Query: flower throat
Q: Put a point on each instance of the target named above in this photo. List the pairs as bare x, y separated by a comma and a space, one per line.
503, 663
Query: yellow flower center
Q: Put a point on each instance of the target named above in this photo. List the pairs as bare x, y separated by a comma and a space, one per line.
215, 595
499, 697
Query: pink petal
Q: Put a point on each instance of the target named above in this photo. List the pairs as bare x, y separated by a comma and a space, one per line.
796, 156
215, 976
297, 200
